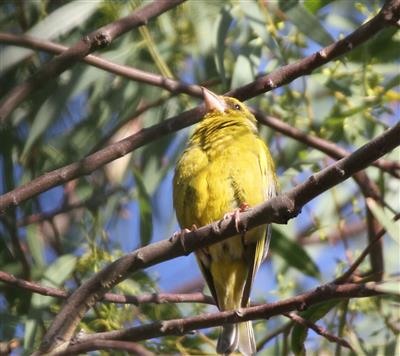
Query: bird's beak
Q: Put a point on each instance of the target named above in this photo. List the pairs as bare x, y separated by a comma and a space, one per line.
213, 101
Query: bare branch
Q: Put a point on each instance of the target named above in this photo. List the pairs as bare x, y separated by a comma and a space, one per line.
94, 345
154, 298
88, 44
128, 72
94, 201
282, 329
279, 209
347, 275
333, 237
182, 326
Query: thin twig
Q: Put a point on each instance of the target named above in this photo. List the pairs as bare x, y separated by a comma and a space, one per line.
94, 345
94, 201
273, 334
128, 72
318, 329
153, 298
349, 229
349, 272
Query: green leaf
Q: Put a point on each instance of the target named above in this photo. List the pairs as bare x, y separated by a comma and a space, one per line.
36, 245
255, 18
52, 108
306, 22
313, 314
54, 276
60, 270
385, 218
57, 23
294, 254
144, 200
46, 115
220, 32
314, 5
30, 332
383, 47
243, 72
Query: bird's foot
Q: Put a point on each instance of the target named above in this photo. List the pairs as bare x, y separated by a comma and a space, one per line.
178, 235
236, 216
184, 231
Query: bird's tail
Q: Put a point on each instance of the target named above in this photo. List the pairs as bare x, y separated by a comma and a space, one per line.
237, 337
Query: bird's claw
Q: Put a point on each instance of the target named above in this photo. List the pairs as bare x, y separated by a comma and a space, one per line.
235, 214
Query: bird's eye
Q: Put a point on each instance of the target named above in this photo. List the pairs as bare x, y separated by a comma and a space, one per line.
237, 107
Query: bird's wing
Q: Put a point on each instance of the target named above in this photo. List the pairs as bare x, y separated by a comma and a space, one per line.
256, 252
192, 161
201, 255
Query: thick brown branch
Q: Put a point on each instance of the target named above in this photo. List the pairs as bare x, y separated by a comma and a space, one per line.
88, 44
279, 210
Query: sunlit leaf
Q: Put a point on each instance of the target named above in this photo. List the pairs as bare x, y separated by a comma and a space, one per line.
306, 22
314, 5
60, 269
36, 245
31, 333
386, 219
221, 28
243, 72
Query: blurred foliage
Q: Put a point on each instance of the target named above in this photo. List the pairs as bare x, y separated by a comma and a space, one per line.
348, 101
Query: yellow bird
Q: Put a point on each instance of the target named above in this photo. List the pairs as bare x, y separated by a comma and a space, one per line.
225, 167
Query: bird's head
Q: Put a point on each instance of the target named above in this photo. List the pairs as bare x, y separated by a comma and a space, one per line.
217, 106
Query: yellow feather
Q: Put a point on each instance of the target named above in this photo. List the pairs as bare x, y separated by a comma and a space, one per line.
225, 165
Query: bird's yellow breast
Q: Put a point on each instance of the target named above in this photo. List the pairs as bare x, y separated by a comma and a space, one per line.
225, 164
